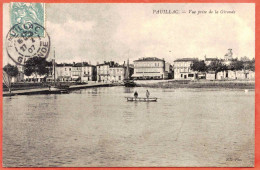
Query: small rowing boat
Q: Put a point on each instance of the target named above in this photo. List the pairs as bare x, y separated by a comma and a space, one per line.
141, 99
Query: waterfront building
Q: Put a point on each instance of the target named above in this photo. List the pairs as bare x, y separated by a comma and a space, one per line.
182, 69
231, 74
35, 78
211, 75
110, 71
63, 72
202, 75
251, 75
149, 68
83, 72
103, 71
222, 75
76, 72
117, 73
241, 74
88, 72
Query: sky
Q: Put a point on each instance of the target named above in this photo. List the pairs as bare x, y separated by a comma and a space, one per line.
105, 32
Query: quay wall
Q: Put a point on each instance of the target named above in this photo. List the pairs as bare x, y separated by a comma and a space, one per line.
241, 84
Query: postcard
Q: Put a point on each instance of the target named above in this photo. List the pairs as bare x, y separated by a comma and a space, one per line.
128, 84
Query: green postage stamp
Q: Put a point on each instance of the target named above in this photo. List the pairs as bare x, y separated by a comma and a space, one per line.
22, 13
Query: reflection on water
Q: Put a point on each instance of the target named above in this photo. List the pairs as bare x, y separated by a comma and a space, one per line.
98, 127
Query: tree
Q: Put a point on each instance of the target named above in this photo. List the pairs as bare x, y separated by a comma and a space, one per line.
217, 66
236, 65
37, 66
199, 66
11, 70
250, 65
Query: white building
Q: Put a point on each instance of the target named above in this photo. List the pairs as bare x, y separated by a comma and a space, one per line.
182, 69
83, 72
117, 73
88, 73
63, 72
103, 72
149, 68
211, 75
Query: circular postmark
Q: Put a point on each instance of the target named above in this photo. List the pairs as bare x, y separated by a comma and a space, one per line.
25, 41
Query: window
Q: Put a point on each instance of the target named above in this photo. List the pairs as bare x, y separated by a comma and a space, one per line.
190, 75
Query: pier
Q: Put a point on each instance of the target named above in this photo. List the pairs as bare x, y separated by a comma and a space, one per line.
46, 90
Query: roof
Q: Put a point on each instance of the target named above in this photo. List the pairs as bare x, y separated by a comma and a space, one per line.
82, 64
149, 59
64, 64
185, 59
211, 59
74, 64
119, 66
103, 64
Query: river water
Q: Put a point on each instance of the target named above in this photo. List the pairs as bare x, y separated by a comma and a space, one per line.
97, 127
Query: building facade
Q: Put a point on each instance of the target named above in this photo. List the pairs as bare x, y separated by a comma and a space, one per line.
88, 73
149, 68
103, 72
182, 69
63, 72
117, 73
82, 72
110, 71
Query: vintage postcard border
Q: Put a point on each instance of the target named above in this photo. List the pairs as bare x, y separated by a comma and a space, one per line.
257, 53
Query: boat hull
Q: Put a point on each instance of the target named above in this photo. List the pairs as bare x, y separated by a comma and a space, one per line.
58, 90
129, 83
140, 99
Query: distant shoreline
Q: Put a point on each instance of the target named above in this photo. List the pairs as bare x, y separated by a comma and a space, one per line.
231, 84
234, 84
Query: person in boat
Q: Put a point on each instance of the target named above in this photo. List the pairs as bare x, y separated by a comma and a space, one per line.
136, 94
147, 94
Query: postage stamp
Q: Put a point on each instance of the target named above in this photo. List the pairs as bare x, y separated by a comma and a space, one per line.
24, 41
21, 13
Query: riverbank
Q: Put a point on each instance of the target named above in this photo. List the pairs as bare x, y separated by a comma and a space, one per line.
239, 84
45, 90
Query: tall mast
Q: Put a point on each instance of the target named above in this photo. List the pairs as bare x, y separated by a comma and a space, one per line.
127, 71
53, 63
